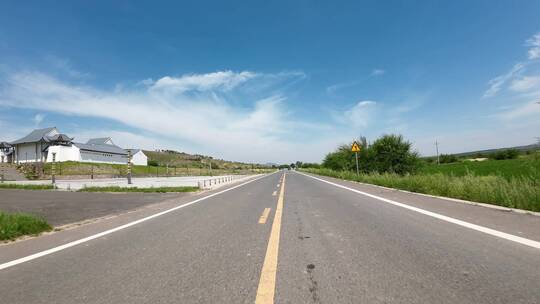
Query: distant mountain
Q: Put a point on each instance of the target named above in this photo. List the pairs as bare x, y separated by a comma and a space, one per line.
533, 147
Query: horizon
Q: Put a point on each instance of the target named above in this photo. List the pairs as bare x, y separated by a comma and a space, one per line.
274, 83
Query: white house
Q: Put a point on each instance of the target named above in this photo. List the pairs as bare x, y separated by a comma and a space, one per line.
39, 146
138, 157
33, 147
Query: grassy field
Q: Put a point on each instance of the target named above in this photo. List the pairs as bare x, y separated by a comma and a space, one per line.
26, 187
514, 192
14, 225
525, 166
136, 189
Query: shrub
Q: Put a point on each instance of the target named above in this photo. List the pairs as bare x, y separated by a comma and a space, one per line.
153, 163
505, 154
448, 158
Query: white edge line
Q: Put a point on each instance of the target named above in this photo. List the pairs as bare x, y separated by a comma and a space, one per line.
106, 232
483, 229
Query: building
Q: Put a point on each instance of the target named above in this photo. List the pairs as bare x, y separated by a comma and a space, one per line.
138, 157
33, 147
6, 152
40, 146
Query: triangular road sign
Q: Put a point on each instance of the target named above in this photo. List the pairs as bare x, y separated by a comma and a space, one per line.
355, 147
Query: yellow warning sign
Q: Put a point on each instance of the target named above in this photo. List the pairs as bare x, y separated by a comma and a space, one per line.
355, 147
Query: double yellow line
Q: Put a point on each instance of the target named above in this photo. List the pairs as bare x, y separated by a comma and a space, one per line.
267, 282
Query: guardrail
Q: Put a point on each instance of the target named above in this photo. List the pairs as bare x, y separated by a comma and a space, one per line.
207, 183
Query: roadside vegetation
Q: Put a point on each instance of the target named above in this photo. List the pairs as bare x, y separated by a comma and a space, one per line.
14, 225
507, 178
25, 187
136, 189
154, 169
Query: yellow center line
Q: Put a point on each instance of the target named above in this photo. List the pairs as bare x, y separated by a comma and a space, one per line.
264, 216
267, 282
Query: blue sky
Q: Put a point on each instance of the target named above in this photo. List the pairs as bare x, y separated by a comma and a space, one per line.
273, 81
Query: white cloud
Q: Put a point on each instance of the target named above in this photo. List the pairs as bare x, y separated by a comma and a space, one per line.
360, 114
528, 109
497, 83
534, 43
206, 122
378, 72
223, 80
38, 119
526, 83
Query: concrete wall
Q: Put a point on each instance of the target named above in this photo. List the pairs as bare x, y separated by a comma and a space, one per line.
139, 159
64, 153
99, 157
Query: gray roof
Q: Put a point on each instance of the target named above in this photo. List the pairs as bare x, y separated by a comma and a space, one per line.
98, 141
34, 136
133, 151
105, 148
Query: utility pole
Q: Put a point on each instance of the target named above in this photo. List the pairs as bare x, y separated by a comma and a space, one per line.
437, 148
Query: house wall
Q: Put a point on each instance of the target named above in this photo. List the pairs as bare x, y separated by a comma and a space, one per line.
29, 152
139, 159
7, 159
101, 157
64, 153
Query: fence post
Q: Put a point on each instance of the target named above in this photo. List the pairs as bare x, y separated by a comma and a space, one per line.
53, 168
129, 168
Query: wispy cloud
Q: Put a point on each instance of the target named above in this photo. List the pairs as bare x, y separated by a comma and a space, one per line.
360, 114
496, 84
222, 80
343, 85
534, 43
525, 84
378, 72
264, 129
38, 119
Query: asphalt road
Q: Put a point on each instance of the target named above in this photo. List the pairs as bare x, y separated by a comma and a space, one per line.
325, 244
65, 207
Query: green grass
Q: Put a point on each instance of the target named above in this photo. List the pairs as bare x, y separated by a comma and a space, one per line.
14, 225
514, 192
527, 167
86, 169
25, 187
136, 189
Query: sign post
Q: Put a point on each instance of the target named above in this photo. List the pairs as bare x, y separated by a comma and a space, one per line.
356, 148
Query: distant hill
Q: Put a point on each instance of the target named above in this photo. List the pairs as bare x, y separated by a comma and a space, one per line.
533, 147
173, 158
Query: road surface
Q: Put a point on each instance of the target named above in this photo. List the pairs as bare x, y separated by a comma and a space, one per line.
286, 238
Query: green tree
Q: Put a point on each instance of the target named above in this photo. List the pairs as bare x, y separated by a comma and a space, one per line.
392, 153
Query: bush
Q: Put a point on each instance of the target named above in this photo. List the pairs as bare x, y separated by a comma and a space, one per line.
448, 158
505, 154
153, 163
390, 153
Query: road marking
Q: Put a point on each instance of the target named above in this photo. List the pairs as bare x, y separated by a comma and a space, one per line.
274, 193
267, 282
106, 232
452, 220
264, 216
